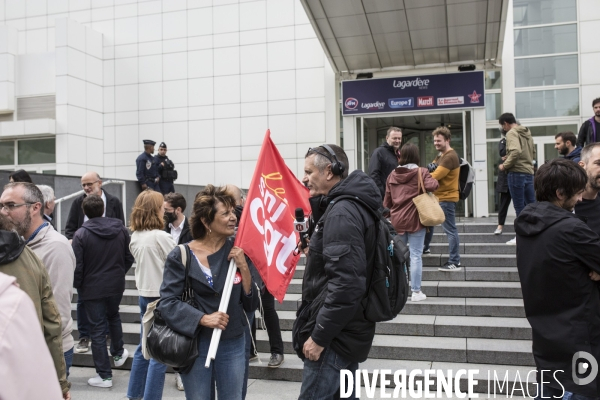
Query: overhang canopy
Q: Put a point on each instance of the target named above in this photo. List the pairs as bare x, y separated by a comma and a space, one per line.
360, 35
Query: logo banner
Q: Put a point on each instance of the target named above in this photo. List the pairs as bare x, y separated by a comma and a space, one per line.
266, 229
410, 93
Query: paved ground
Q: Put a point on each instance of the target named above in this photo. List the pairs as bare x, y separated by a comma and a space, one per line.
258, 389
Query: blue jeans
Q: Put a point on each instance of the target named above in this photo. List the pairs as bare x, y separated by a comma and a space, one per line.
227, 368
100, 312
549, 393
248, 339
147, 378
521, 190
449, 227
68, 359
321, 378
83, 323
415, 241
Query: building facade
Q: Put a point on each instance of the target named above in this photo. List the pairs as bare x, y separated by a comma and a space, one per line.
83, 82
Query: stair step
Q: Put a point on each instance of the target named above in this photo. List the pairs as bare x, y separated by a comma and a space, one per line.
452, 288
440, 237
482, 227
440, 326
447, 349
475, 248
472, 260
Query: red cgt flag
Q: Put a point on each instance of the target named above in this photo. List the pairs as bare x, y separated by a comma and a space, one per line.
266, 230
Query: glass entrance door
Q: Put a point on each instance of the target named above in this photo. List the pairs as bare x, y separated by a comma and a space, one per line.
416, 129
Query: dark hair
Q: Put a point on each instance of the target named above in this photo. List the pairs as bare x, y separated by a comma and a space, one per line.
93, 206
20, 175
176, 200
205, 208
507, 118
596, 101
409, 154
560, 175
567, 137
442, 131
323, 158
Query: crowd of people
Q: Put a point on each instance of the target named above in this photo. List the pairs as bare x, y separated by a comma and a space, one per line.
557, 210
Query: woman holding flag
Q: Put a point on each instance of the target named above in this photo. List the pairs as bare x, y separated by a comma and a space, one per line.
212, 224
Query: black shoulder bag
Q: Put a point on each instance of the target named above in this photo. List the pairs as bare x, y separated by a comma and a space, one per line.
163, 343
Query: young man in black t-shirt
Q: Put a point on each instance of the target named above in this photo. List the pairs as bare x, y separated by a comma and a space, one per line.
590, 130
589, 207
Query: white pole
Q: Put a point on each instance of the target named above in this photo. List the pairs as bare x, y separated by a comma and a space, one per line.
216, 336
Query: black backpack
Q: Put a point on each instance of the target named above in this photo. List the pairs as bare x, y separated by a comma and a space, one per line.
466, 178
388, 283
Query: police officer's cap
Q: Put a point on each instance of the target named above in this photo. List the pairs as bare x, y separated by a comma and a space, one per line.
149, 142
162, 145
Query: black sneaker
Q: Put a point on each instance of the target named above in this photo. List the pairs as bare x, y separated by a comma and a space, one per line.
83, 346
427, 251
276, 360
450, 267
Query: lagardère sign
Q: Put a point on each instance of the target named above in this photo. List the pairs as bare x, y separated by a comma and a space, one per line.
406, 94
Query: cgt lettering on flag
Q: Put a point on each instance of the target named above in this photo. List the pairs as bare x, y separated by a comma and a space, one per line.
265, 211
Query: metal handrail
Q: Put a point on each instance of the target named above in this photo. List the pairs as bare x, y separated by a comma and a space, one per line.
79, 193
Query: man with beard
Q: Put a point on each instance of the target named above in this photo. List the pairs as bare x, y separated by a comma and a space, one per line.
557, 259
590, 130
564, 142
26, 204
91, 184
385, 158
589, 207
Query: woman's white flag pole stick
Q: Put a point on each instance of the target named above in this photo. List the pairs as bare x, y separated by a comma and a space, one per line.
216, 336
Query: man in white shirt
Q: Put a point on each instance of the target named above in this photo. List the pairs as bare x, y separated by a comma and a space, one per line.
178, 226
176, 223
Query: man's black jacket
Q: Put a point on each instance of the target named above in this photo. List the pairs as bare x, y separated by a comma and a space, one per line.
586, 133
382, 162
555, 253
102, 257
341, 251
186, 235
114, 209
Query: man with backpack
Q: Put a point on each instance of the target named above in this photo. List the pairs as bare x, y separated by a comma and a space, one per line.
337, 333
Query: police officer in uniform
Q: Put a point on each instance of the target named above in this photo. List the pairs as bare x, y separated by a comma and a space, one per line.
166, 170
146, 171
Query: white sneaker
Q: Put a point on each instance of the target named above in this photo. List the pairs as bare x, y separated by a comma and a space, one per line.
119, 361
512, 242
97, 381
178, 382
418, 296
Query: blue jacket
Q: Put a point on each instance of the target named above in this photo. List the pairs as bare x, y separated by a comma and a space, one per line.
146, 169
185, 319
575, 155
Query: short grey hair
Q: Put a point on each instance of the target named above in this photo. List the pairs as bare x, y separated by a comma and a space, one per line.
586, 152
392, 129
31, 193
47, 192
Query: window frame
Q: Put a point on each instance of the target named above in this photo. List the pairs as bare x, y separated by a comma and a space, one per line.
37, 167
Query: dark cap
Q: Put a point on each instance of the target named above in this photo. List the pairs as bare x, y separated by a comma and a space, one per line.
150, 142
163, 145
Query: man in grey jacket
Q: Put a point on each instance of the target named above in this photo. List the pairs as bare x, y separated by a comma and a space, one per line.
50, 246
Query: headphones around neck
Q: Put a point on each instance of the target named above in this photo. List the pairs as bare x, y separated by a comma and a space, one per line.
337, 167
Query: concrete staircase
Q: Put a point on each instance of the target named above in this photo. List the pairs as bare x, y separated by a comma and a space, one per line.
471, 319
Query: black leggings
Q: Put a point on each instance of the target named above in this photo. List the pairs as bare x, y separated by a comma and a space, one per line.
503, 210
271, 322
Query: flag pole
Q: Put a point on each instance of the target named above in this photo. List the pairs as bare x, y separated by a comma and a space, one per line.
216, 336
